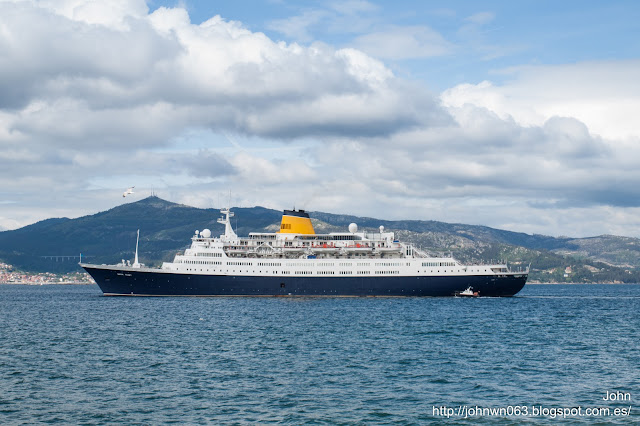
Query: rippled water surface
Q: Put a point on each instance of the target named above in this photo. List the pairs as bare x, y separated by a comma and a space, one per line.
70, 355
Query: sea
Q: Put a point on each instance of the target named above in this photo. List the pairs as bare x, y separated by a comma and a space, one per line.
567, 354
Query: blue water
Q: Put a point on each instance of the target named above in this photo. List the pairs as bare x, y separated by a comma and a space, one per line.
70, 355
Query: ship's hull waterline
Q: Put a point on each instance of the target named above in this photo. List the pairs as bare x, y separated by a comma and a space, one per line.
296, 261
126, 281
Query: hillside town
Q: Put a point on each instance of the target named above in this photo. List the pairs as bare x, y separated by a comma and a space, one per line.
10, 276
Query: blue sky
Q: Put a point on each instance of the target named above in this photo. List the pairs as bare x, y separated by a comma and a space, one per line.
483, 38
516, 115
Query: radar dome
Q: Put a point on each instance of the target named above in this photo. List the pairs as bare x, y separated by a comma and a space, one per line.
206, 233
353, 228
381, 229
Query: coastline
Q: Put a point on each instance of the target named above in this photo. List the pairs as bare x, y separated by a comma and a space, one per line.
50, 283
614, 283
93, 283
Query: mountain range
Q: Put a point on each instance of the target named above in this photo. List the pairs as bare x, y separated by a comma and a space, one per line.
55, 245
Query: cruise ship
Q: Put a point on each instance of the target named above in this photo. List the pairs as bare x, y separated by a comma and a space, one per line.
295, 261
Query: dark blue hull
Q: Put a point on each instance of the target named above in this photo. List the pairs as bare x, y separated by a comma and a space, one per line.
128, 282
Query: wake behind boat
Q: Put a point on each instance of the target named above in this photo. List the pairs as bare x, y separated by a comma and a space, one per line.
298, 262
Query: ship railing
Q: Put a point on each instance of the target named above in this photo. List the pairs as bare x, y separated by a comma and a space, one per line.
521, 270
505, 268
416, 252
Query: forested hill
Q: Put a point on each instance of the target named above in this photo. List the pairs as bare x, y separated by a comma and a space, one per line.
54, 245
110, 236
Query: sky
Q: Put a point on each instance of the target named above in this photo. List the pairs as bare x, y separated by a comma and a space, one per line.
515, 115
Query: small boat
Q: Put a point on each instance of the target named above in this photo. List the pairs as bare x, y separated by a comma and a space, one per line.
467, 293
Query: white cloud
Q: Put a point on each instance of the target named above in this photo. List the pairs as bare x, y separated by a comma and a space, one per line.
339, 17
299, 27
112, 13
108, 79
253, 170
218, 73
481, 18
603, 95
353, 7
404, 43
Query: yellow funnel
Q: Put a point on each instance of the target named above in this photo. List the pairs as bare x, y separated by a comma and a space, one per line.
296, 222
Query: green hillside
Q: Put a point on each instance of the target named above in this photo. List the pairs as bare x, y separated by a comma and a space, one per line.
165, 228
110, 236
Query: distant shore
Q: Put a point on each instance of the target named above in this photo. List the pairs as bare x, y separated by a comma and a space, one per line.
56, 283
581, 283
86, 283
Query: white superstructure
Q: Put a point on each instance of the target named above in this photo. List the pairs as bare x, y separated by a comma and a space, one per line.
291, 253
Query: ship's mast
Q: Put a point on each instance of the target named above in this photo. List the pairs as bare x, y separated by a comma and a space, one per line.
229, 234
136, 264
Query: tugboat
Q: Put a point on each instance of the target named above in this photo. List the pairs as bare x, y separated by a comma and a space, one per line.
298, 262
468, 293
